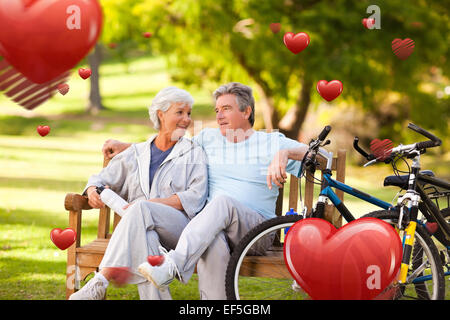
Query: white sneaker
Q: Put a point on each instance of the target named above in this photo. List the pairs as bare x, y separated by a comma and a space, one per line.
161, 276
93, 290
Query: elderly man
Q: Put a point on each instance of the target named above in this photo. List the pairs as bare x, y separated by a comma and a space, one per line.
243, 165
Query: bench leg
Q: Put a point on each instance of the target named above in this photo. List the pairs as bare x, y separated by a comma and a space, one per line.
72, 271
72, 281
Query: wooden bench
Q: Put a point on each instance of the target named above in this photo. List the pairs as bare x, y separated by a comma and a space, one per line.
83, 260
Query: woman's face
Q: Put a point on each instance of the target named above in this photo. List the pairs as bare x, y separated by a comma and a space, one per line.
175, 120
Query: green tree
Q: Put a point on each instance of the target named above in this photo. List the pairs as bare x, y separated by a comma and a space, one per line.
122, 34
230, 40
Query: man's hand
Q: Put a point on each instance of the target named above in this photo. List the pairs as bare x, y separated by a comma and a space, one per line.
113, 147
94, 198
172, 201
276, 172
128, 205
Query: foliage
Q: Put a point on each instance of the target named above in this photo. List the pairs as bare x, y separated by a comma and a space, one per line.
218, 41
211, 42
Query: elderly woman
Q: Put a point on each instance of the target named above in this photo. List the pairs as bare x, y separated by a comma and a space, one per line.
165, 182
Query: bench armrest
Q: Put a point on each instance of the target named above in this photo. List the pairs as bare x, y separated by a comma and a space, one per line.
76, 202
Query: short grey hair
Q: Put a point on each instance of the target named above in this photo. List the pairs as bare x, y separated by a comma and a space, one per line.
244, 96
164, 99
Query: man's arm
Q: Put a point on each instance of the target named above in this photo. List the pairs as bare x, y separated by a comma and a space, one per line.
113, 147
172, 201
276, 172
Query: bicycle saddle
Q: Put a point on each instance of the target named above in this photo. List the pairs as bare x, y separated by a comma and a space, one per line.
402, 181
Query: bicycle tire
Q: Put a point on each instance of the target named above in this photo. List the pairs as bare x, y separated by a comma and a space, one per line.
235, 283
423, 244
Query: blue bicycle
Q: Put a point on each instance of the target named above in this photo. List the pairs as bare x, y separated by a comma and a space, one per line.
421, 275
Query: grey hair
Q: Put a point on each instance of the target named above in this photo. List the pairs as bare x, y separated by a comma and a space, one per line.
244, 96
164, 99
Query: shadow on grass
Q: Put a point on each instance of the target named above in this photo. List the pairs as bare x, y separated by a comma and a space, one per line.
20, 126
15, 282
15, 269
39, 218
75, 186
70, 125
64, 150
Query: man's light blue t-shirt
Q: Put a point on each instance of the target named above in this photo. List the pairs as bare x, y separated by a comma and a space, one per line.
239, 170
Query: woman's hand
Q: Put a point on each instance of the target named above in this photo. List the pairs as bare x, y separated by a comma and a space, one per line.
94, 198
113, 147
276, 172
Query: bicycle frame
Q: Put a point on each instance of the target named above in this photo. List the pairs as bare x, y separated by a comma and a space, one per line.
429, 209
329, 183
328, 193
410, 200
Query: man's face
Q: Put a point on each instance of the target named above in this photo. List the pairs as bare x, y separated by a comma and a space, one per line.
228, 115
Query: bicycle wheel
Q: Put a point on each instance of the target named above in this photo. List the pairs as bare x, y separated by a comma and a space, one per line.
256, 269
425, 278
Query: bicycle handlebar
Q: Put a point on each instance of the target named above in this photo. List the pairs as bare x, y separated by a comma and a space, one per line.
314, 148
361, 151
324, 133
433, 142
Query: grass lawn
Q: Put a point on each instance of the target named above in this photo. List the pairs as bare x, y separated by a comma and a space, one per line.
36, 173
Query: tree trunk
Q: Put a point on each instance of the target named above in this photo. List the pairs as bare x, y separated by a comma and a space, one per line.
270, 114
95, 98
292, 122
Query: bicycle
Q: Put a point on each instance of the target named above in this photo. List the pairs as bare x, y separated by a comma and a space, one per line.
428, 187
241, 286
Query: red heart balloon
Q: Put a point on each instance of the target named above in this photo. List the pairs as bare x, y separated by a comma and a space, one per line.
296, 42
368, 22
355, 262
403, 48
381, 149
63, 88
24, 92
119, 275
63, 238
431, 227
43, 130
275, 27
112, 45
329, 90
147, 34
84, 73
155, 260
44, 39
